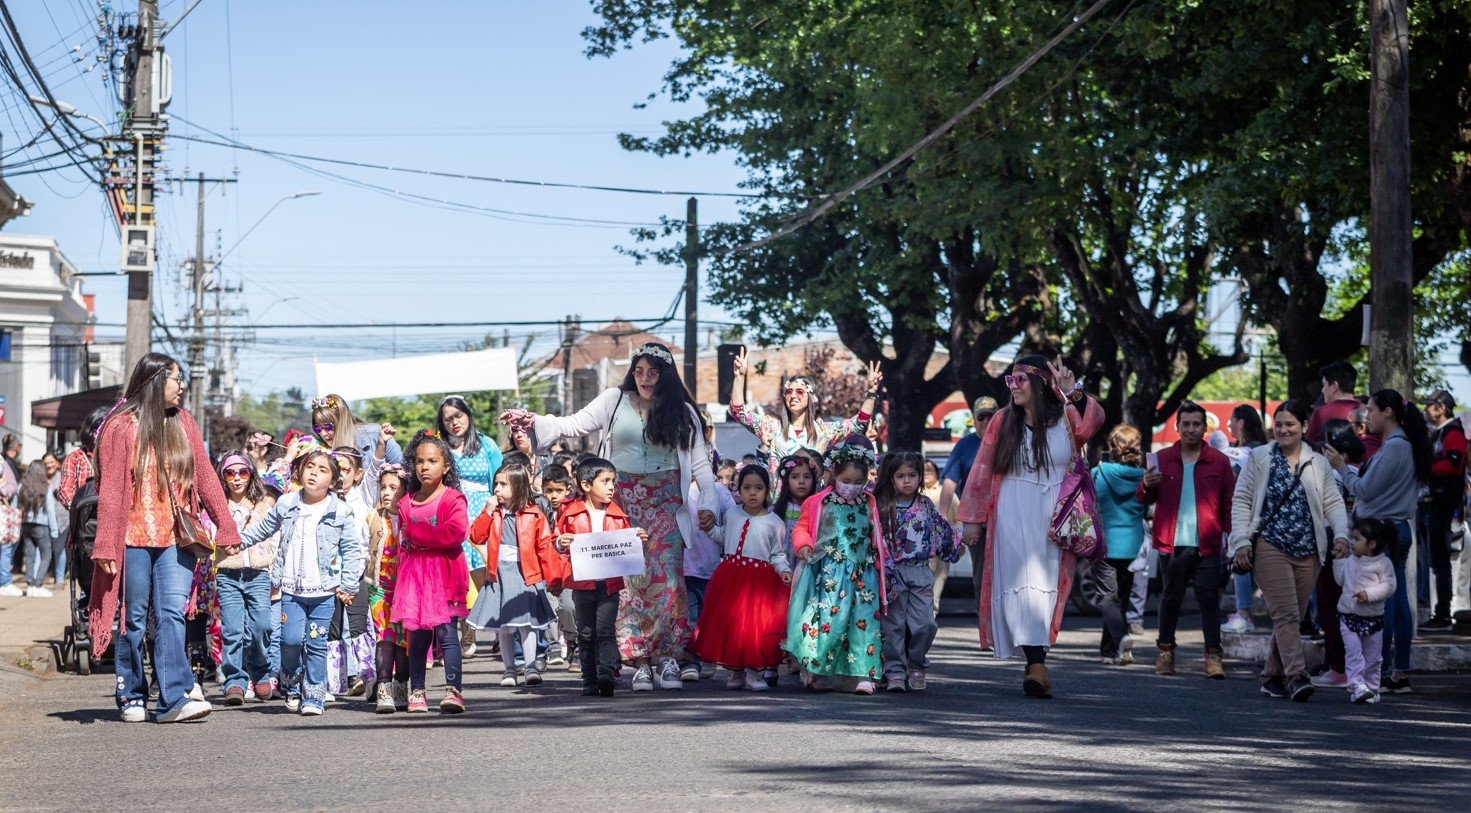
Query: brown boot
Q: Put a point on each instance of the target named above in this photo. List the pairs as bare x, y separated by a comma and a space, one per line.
1164, 663
1214, 669
1036, 684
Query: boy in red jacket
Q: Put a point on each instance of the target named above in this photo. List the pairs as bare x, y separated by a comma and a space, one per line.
595, 603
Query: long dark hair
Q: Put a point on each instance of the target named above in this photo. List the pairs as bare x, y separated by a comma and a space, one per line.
1046, 406
158, 437
1253, 431
255, 487
885, 497
1412, 421
809, 420
757, 470
669, 423
470, 444
789, 464
33, 488
451, 471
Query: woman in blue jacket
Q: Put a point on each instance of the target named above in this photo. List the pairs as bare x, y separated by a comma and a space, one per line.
1116, 480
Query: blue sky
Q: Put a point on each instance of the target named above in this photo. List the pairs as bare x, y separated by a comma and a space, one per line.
492, 88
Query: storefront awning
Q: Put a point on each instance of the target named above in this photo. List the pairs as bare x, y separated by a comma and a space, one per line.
68, 411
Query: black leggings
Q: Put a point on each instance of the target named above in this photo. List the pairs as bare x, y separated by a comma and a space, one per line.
449, 645
1035, 654
393, 663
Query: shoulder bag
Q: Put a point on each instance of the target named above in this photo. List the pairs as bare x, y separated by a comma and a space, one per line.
1076, 524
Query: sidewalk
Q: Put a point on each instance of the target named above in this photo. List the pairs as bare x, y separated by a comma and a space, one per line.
29, 625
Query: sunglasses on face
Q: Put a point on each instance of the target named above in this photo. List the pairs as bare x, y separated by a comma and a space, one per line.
790, 391
237, 473
1015, 380
319, 428
649, 374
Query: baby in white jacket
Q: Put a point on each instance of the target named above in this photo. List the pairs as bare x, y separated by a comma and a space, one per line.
1367, 578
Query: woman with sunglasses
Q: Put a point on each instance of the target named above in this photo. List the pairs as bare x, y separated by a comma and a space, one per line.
654, 436
799, 425
334, 425
243, 585
1012, 491
151, 460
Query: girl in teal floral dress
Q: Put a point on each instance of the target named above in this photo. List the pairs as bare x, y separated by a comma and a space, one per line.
833, 622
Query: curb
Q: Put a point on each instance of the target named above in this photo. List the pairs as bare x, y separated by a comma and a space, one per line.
1425, 656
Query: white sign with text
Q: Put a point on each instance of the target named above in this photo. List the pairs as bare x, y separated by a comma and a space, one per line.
607, 555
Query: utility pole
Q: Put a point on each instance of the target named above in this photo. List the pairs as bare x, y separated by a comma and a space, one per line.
198, 269
691, 295
1391, 319
146, 127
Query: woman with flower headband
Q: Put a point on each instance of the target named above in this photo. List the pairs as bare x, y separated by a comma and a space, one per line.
334, 425
1013, 489
799, 426
653, 433
151, 458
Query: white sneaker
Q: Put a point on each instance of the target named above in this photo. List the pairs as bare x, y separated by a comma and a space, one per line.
669, 675
37, 592
1126, 650
737, 679
329, 698
754, 683
191, 710
293, 703
249, 693
11, 590
197, 693
133, 714
311, 710
467, 642
643, 679
1361, 694
1238, 624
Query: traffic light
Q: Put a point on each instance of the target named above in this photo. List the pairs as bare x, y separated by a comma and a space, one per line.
94, 369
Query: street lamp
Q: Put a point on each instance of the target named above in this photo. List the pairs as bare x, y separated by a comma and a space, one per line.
67, 110
261, 219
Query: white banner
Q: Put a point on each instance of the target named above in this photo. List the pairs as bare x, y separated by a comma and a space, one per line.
607, 555
473, 371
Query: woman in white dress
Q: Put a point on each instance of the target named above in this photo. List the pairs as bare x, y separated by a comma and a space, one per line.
1012, 490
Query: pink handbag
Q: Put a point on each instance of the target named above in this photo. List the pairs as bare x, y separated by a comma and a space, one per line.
1076, 525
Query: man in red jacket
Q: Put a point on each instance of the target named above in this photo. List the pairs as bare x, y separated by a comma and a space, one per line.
1447, 494
1190, 485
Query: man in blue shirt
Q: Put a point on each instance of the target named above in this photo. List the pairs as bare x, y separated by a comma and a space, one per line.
957, 470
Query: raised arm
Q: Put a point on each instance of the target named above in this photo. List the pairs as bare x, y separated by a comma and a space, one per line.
548, 429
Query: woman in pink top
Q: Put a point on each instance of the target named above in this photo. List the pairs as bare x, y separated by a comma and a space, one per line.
432, 579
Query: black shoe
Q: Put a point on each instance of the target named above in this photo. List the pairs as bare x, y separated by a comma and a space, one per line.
605, 685
1437, 625
1397, 685
589, 690
1274, 687
1300, 689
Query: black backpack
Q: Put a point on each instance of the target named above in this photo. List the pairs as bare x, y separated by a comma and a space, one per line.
83, 532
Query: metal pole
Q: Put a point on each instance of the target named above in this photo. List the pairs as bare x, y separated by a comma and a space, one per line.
691, 295
196, 339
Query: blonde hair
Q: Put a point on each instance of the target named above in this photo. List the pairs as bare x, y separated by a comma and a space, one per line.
1124, 444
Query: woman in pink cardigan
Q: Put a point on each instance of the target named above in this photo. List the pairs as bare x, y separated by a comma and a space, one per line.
151, 457
1012, 490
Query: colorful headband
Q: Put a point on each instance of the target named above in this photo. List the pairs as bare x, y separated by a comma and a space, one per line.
802, 381
1045, 375
396, 469
653, 350
799, 461
325, 402
850, 453
235, 459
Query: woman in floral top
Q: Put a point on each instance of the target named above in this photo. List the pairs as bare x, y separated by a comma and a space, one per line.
1284, 500
798, 427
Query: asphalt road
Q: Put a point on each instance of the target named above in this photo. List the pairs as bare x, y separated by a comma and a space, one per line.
1113, 739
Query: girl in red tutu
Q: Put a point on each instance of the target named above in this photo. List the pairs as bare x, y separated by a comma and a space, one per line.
745, 616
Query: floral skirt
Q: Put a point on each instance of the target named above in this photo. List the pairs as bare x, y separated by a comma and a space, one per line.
389, 631
653, 617
832, 625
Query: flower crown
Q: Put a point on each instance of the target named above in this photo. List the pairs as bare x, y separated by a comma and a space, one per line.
653, 350
798, 461
850, 453
396, 469
325, 402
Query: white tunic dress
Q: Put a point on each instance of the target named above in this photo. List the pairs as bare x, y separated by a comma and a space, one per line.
1024, 580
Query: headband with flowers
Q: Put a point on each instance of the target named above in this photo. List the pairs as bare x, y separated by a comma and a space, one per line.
654, 350
325, 402
850, 453
396, 469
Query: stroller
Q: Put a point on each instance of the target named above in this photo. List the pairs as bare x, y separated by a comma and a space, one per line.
76, 639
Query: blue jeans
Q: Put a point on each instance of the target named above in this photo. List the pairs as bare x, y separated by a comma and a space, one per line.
273, 649
161, 576
7, 561
307, 620
38, 542
1245, 586
1399, 623
694, 590
245, 625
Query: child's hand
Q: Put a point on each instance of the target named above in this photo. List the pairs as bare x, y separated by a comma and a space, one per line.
345, 597
231, 550
786, 578
1361, 597
643, 536
805, 554
707, 520
564, 542
386, 433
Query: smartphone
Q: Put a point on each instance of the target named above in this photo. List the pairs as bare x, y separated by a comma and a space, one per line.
1151, 461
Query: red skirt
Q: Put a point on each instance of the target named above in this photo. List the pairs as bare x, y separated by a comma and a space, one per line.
744, 618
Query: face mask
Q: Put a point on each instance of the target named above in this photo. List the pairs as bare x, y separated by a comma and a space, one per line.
848, 491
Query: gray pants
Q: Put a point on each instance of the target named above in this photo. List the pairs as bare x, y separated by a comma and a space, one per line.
909, 627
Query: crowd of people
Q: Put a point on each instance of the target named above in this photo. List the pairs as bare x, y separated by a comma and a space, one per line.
340, 564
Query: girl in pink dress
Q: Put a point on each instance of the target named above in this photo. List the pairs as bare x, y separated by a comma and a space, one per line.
432, 580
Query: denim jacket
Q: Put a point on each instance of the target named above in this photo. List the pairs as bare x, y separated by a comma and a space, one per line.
367, 443
339, 554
